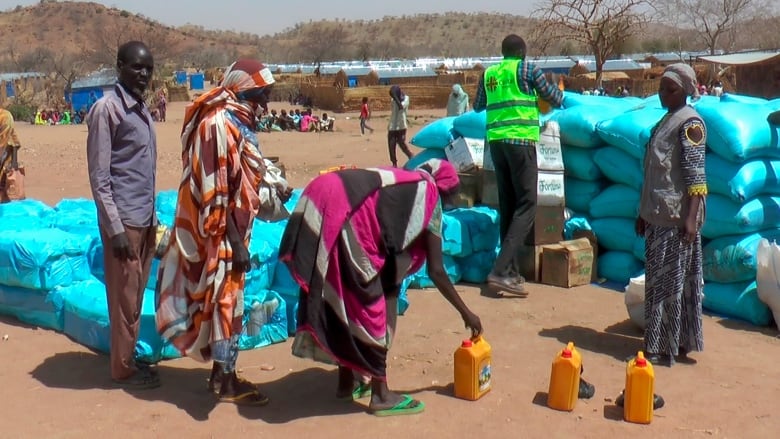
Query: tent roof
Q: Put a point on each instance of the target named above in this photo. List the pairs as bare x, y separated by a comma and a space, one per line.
742, 58
102, 78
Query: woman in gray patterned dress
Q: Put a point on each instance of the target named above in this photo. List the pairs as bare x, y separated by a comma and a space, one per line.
671, 214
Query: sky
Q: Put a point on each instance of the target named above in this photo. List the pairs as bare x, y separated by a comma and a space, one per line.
267, 17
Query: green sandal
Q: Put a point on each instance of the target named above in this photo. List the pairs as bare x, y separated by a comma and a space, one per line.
362, 390
404, 407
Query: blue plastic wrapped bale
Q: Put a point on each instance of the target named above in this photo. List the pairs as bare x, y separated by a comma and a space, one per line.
742, 181
619, 267
42, 259
479, 225
476, 266
420, 280
471, 124
289, 291
630, 131
733, 258
265, 320
743, 99
726, 217
34, 307
455, 240
579, 163
617, 200
615, 233
16, 223
738, 132
639, 248
264, 254
28, 207
575, 222
739, 300
578, 124
579, 193
77, 205
425, 155
403, 296
165, 203
437, 134
95, 259
619, 167
293, 201
573, 99
652, 101
85, 313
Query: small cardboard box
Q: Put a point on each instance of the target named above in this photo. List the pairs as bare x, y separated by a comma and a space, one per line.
548, 224
530, 263
465, 153
568, 263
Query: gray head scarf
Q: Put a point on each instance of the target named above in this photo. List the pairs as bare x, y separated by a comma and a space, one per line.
684, 76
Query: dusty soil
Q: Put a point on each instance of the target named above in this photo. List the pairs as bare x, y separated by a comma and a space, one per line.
56, 388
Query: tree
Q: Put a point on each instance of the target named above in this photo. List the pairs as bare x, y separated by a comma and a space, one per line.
713, 20
322, 42
600, 25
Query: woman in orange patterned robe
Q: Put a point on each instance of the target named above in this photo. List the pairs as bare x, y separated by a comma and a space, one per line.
201, 280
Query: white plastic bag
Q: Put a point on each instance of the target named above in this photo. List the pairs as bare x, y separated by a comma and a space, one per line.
635, 300
768, 276
271, 206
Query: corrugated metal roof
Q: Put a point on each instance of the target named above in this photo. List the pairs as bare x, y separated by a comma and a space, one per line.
101, 78
552, 63
610, 65
13, 76
405, 72
742, 58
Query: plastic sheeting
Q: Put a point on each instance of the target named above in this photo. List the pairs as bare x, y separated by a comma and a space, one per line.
42, 259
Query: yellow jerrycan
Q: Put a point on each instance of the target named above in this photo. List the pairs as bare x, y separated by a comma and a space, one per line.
565, 379
638, 397
472, 369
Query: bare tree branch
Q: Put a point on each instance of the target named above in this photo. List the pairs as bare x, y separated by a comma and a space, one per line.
600, 25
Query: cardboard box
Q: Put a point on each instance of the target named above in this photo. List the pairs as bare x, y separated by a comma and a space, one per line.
465, 153
548, 224
549, 156
549, 189
568, 263
529, 262
594, 243
470, 189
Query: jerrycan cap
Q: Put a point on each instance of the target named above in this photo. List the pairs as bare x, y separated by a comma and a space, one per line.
466, 343
641, 361
566, 353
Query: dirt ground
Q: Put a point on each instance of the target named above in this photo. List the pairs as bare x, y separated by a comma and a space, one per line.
56, 388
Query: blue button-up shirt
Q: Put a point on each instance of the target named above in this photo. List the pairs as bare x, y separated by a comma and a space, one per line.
122, 160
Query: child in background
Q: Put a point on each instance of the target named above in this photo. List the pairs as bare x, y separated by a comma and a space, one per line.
365, 114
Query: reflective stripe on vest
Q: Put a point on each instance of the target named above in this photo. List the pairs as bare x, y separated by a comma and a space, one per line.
511, 114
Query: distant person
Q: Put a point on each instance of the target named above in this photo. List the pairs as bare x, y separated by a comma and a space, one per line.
396, 127
365, 116
717, 89
9, 147
326, 122
671, 214
458, 102
122, 158
162, 105
509, 91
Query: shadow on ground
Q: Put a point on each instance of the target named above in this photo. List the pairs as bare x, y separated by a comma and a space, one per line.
618, 341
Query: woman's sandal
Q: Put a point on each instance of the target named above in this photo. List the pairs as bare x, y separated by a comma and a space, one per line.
361, 390
408, 406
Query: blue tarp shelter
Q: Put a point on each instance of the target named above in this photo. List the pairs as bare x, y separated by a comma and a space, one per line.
84, 91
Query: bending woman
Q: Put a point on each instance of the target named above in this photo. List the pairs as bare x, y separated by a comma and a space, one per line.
353, 237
